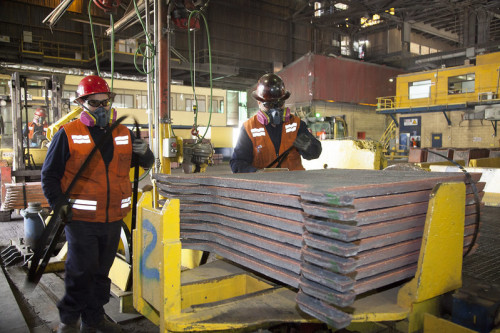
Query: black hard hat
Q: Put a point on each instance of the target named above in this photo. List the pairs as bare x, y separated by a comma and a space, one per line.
270, 88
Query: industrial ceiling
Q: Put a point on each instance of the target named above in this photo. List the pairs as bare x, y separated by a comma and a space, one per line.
250, 38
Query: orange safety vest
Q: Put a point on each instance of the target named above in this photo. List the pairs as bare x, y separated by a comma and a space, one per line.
263, 148
99, 194
31, 128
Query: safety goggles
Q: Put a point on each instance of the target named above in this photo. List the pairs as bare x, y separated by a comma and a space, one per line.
96, 103
273, 105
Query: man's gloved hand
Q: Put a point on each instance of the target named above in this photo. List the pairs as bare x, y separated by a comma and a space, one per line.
140, 147
65, 213
302, 142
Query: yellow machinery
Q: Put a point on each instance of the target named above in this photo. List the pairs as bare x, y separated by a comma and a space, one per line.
329, 128
389, 142
221, 296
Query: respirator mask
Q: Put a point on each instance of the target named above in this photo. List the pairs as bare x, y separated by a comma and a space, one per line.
100, 117
273, 113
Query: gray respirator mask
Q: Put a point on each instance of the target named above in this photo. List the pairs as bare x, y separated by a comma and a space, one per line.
272, 113
275, 116
101, 116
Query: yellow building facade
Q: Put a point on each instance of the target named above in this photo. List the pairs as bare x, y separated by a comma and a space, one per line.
450, 104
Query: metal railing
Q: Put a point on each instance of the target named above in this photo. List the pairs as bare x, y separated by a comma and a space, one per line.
63, 51
384, 103
484, 96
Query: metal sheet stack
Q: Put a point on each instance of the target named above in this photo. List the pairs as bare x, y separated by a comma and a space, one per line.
332, 234
17, 195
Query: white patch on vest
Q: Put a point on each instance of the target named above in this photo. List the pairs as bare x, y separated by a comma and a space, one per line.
84, 204
126, 202
258, 132
80, 139
291, 128
121, 140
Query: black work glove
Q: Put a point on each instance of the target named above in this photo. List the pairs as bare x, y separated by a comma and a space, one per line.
302, 142
65, 213
139, 147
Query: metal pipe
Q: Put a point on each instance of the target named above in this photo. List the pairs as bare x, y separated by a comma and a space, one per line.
498, 81
68, 71
126, 19
441, 57
156, 166
150, 98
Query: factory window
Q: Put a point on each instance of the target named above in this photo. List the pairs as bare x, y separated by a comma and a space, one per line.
123, 101
345, 48
70, 95
461, 84
178, 102
141, 101
419, 89
414, 48
190, 102
217, 105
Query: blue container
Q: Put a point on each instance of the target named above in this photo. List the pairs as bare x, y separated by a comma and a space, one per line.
33, 223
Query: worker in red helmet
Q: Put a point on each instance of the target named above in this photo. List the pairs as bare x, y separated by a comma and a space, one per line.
35, 131
273, 134
98, 202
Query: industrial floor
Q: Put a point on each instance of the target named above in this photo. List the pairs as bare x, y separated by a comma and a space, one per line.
40, 314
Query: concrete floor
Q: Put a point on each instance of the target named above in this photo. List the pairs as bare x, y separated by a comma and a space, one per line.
482, 266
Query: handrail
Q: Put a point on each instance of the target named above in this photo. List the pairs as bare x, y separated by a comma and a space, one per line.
384, 103
389, 133
481, 95
60, 50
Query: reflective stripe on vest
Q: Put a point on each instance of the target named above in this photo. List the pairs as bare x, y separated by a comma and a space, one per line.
126, 202
83, 204
78, 139
258, 132
121, 140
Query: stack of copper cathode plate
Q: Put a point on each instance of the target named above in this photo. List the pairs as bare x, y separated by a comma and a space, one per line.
332, 234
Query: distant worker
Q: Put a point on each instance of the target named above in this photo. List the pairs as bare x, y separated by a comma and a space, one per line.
413, 143
97, 204
273, 132
35, 131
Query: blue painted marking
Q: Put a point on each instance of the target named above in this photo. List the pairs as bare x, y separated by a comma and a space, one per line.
149, 273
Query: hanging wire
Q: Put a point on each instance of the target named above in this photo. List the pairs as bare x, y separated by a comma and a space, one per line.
195, 125
143, 48
112, 23
93, 40
148, 52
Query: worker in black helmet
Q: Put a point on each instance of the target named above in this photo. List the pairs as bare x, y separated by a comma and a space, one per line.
273, 133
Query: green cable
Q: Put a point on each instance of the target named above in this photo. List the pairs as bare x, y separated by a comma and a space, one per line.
111, 21
145, 57
93, 40
144, 46
210, 72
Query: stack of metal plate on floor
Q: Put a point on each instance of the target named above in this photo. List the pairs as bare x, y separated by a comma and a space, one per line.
332, 234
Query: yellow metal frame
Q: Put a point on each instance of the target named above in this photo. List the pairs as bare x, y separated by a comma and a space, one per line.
439, 266
175, 307
241, 299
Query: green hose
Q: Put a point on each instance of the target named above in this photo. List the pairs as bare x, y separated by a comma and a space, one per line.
192, 74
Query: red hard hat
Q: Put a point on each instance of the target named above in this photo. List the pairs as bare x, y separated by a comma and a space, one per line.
270, 88
91, 85
39, 112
